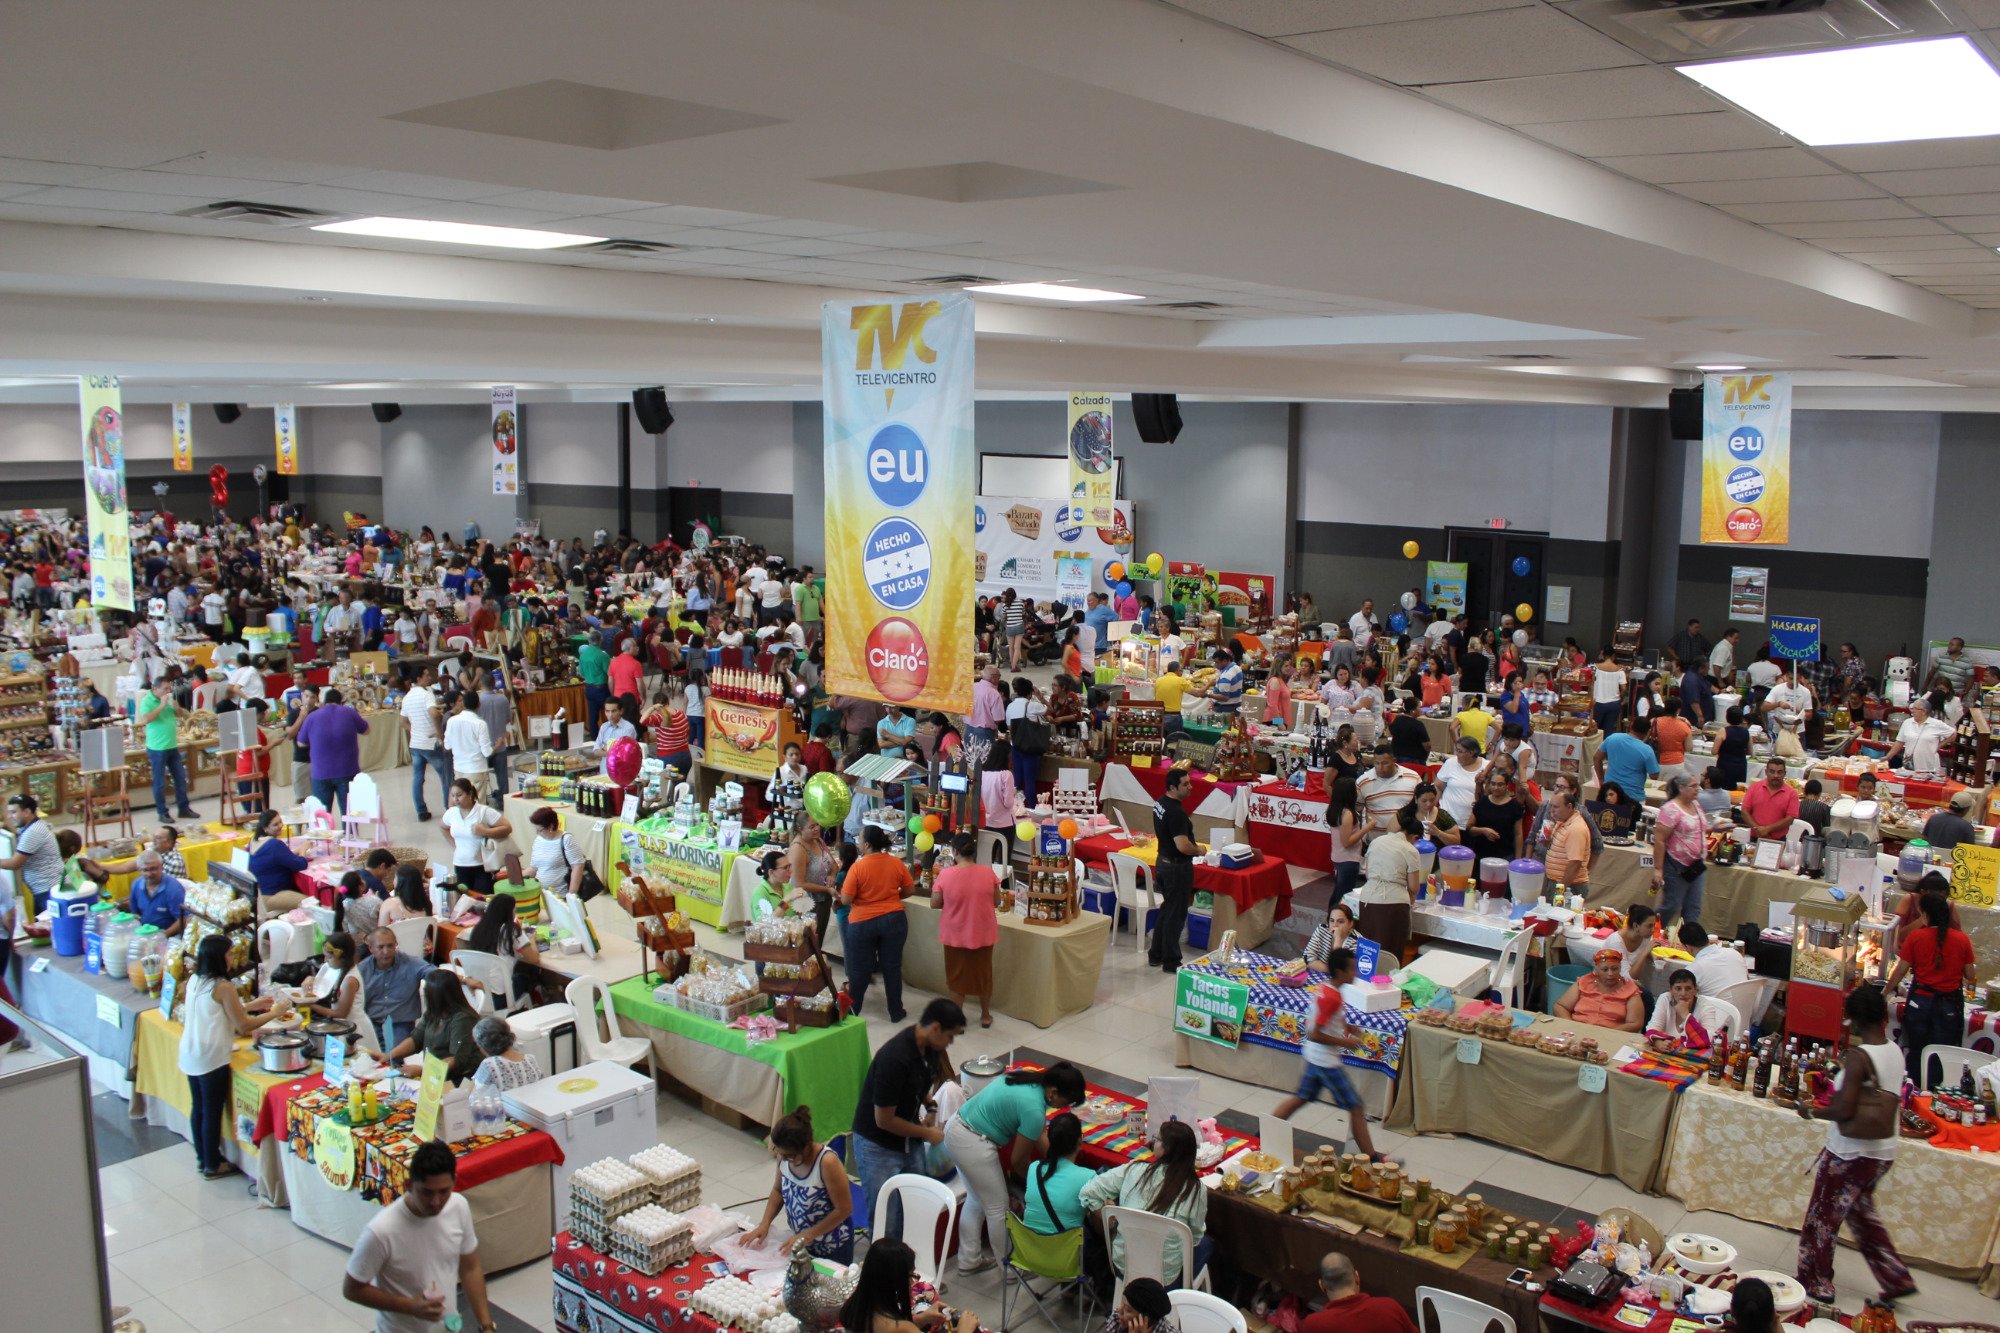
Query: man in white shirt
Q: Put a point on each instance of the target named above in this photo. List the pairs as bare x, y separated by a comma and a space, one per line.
213, 604
425, 720
1362, 623
1917, 740
469, 743
1384, 789
1787, 697
245, 679
1716, 965
1722, 658
414, 1255
177, 603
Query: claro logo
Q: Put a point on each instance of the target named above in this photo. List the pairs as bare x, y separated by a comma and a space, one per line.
1745, 524
899, 662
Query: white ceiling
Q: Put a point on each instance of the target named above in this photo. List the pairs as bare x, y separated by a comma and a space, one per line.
1354, 238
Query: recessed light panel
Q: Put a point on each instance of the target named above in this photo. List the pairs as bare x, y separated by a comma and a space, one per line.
1052, 291
458, 233
1885, 93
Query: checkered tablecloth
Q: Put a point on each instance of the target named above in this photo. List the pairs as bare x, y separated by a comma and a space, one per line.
1279, 1016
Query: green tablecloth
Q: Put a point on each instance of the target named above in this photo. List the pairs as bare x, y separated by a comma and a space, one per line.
820, 1067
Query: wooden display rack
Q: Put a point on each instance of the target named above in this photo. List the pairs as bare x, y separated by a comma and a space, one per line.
789, 991
1137, 728
1056, 904
669, 947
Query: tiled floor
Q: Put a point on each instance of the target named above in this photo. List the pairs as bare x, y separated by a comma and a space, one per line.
192, 1255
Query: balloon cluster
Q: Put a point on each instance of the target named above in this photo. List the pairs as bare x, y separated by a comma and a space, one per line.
1119, 575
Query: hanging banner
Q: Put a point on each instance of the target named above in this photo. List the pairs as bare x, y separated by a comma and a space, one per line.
1748, 590
897, 381
506, 442
1093, 481
110, 525
1444, 585
1746, 459
1072, 578
285, 423
1021, 541
183, 437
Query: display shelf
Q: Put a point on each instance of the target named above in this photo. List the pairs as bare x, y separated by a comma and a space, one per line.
1135, 729
1049, 888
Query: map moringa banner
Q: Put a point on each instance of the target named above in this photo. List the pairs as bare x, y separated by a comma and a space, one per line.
109, 522
897, 377
1746, 459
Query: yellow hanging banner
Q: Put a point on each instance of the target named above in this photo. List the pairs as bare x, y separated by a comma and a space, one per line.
1975, 874
109, 522
285, 425
1092, 474
1746, 459
183, 437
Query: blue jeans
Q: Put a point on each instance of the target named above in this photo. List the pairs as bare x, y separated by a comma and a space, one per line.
874, 1164
439, 762
165, 762
329, 790
503, 773
1026, 768
877, 943
1680, 895
593, 699
1346, 874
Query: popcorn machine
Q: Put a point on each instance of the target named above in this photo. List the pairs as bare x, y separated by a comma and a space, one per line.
1826, 950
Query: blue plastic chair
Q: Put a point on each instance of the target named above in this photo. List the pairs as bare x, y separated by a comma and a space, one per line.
1560, 978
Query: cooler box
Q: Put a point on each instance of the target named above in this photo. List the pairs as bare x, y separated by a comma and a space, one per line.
1459, 973
1198, 927
1235, 855
549, 1034
594, 1111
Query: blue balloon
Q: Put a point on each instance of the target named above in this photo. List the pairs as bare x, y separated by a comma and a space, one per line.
1124, 590
1521, 566
1398, 622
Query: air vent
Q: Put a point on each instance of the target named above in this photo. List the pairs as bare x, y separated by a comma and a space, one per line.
1190, 305
1705, 29
263, 215
949, 280
1877, 356
1522, 356
620, 249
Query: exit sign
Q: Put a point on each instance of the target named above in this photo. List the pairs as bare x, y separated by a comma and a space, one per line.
1496, 522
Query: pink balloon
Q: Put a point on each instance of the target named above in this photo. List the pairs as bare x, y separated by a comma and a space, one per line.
621, 761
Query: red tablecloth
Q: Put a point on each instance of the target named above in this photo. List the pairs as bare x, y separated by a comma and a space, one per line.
1154, 780
1920, 792
594, 1292
1266, 877
1291, 825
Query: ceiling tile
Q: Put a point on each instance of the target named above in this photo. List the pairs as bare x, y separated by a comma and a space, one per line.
1781, 190
17, 211
1829, 210
117, 201
1979, 151
27, 171
1885, 258
487, 215
1748, 164
1938, 180
1985, 238
565, 205
1592, 95
1499, 44
1862, 244
166, 182
1971, 222
209, 163
1979, 13
45, 145
801, 227
804, 247
1990, 266
421, 187
1627, 136
688, 216
1890, 227
1956, 205
1280, 18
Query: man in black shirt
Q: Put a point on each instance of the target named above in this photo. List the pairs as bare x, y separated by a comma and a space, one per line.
1173, 872
1408, 735
888, 1138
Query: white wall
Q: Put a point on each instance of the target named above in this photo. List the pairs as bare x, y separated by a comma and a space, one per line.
335, 441
42, 436
574, 444
734, 446
1542, 468
1863, 483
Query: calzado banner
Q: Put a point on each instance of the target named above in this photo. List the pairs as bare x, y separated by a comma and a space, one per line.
1746, 459
109, 523
1093, 482
899, 461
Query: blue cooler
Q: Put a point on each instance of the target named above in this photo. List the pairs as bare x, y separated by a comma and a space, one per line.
1198, 927
67, 913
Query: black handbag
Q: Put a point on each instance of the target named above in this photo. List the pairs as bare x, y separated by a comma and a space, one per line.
1029, 735
592, 883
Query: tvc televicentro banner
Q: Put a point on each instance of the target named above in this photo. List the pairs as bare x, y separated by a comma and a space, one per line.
897, 379
1746, 459
108, 521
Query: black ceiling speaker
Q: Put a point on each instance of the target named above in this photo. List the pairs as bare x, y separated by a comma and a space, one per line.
650, 405
1684, 413
386, 412
228, 412
1158, 415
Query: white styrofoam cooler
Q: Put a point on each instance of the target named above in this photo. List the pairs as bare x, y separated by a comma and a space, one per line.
549, 1034
1460, 973
594, 1111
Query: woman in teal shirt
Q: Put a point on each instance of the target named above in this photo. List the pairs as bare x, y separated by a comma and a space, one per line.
1055, 1184
1017, 1106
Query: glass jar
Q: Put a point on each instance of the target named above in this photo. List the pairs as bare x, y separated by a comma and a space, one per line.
148, 959
118, 932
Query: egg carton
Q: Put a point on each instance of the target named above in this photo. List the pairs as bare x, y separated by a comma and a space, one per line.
731, 1300
783, 1323
607, 1188
587, 1232
675, 1177
651, 1240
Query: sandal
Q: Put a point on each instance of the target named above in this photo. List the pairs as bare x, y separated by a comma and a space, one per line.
986, 1022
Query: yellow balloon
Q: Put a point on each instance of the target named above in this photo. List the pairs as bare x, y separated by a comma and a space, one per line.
1156, 562
1025, 830
1409, 550
1524, 613
925, 842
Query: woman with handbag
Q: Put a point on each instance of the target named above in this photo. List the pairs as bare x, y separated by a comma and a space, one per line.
1680, 852
1027, 736
1860, 1149
558, 863
471, 828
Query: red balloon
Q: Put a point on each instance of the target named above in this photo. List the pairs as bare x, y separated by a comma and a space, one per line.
622, 760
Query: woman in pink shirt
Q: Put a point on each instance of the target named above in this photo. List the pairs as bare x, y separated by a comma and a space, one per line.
1278, 697
996, 789
970, 926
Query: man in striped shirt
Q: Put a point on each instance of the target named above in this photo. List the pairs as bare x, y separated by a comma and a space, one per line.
1385, 789
1227, 692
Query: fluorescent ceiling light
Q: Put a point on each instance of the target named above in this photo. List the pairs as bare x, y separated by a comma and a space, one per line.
458, 233
1886, 93
1719, 370
1053, 291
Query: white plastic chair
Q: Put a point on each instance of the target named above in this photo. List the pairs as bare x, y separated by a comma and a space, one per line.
584, 995
1199, 1312
1508, 975
413, 935
1719, 1016
1146, 1235
1952, 1060
1449, 1312
280, 943
1134, 891
925, 1202
1748, 998
490, 970
363, 826
993, 847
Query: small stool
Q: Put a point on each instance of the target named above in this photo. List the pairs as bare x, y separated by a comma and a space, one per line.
104, 812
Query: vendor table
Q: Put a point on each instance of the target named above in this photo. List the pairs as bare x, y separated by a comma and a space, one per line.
82, 1006
1041, 974
1139, 789
1751, 1158
594, 1293
1529, 1100
506, 1178
1731, 894
1274, 1030
1248, 901
160, 1093
545, 703
198, 846
819, 1067
384, 746
1288, 823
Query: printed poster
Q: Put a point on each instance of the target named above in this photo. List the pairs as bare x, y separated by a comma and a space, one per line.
1093, 482
1444, 588
108, 519
1795, 638
1975, 874
1251, 593
183, 437
898, 380
1072, 577
1020, 543
506, 442
285, 425
1746, 459
1210, 1008
1749, 589
742, 738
